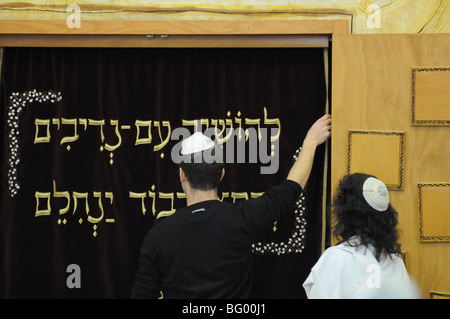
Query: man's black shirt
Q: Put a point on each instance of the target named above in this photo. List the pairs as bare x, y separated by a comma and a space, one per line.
205, 250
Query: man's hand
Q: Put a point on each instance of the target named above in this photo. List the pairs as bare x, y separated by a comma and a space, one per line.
320, 131
317, 134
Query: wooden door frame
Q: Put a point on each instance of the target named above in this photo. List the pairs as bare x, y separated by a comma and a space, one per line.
171, 33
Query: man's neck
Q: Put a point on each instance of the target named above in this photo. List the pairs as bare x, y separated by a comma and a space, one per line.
197, 196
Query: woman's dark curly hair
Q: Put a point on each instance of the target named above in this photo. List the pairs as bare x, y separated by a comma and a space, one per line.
354, 217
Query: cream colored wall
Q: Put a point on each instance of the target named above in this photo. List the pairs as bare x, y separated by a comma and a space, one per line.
396, 16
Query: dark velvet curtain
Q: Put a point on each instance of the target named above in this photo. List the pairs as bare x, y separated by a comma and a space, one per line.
78, 189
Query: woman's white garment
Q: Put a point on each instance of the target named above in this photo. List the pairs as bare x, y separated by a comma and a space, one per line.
346, 272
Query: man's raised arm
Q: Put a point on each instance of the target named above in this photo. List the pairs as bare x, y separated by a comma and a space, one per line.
319, 132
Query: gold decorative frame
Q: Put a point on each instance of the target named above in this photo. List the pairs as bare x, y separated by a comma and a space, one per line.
414, 120
439, 295
424, 237
351, 133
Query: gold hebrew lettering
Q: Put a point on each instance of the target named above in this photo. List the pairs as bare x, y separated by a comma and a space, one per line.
152, 195
181, 195
275, 121
238, 120
42, 139
64, 194
111, 147
110, 196
42, 212
224, 195
201, 123
77, 195
239, 195
197, 124
188, 123
75, 136
142, 197
165, 213
214, 122
98, 123
83, 122
163, 141
253, 122
224, 123
256, 195
143, 140
94, 220
55, 121
230, 131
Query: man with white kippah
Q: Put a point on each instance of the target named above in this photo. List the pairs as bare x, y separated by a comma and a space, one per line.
204, 250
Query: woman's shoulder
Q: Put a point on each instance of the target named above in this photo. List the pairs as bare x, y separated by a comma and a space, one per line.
343, 248
336, 255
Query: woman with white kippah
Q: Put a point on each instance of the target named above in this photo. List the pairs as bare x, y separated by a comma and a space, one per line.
367, 262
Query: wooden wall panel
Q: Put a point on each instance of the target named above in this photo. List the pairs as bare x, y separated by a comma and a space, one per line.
434, 212
377, 153
431, 96
371, 90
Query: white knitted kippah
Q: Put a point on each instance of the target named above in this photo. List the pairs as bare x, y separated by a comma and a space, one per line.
376, 194
197, 142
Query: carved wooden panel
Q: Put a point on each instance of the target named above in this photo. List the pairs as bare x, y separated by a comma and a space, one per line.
434, 211
431, 97
377, 153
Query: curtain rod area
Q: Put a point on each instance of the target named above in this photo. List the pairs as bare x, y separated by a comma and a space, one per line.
179, 33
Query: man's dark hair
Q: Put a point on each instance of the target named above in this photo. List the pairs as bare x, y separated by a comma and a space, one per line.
354, 217
203, 175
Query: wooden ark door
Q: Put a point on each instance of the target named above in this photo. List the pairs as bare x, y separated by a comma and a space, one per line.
391, 118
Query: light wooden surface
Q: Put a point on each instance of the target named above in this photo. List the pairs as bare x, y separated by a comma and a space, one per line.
371, 90
378, 154
175, 34
432, 95
435, 212
180, 27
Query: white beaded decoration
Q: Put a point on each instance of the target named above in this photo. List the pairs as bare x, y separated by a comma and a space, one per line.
296, 242
17, 103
